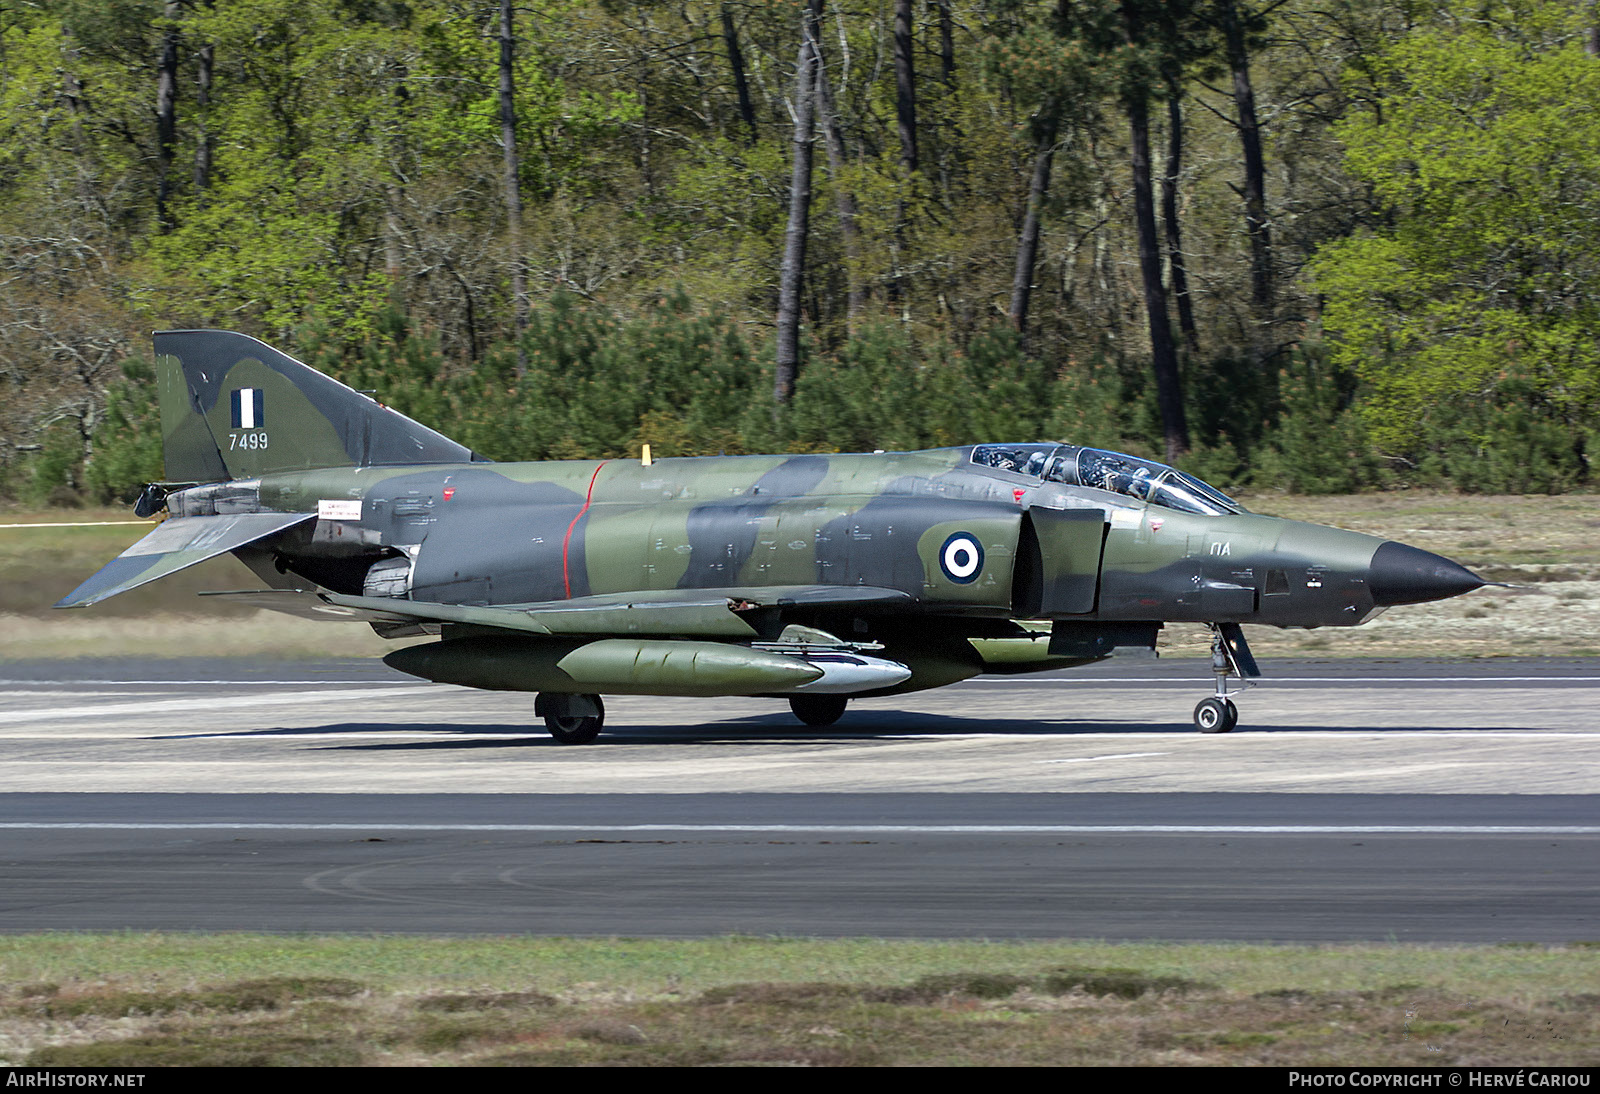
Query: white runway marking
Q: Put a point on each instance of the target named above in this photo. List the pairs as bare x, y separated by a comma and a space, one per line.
847, 829
80, 524
334, 734
70, 685
1113, 756
1267, 681
212, 704
980, 682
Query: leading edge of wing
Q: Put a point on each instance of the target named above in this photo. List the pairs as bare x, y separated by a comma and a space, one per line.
707, 612
174, 545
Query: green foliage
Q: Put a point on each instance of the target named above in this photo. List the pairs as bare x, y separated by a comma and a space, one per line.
1319, 444
52, 474
1094, 404
126, 446
691, 383
1517, 441
881, 391
340, 190
594, 385
1486, 265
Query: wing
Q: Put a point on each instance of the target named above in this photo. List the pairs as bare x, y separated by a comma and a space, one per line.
175, 545
710, 613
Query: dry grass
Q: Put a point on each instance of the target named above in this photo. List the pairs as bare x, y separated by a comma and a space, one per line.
1038, 1014
38, 566
171, 635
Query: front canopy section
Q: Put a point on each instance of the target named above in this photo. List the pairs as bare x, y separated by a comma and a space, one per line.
1140, 479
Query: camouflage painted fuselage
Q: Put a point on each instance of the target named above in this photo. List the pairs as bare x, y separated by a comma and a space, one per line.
492, 534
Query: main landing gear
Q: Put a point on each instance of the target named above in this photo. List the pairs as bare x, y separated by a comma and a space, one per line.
818, 710
571, 719
1230, 656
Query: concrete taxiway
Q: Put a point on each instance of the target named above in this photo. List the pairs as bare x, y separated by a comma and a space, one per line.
1408, 800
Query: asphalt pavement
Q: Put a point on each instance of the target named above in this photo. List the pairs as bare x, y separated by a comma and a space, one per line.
1408, 800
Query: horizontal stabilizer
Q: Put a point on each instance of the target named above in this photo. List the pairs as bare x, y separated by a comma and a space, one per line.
177, 544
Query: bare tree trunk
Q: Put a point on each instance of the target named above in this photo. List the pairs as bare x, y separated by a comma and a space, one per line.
1028, 243
843, 198
1255, 200
646, 145
394, 195
905, 97
730, 38
508, 143
393, 261
167, 113
1104, 297
1169, 217
1163, 354
204, 144
905, 85
947, 45
792, 271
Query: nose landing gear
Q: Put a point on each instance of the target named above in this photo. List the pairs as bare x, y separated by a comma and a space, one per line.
1230, 656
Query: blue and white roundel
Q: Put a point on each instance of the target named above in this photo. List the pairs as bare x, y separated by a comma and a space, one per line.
961, 558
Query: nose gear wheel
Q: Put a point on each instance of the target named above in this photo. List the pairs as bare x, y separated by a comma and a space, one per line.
1215, 715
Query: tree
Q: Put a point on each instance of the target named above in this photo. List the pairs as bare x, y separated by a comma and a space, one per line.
513, 178
741, 83
794, 247
905, 86
1485, 268
844, 198
167, 112
1238, 24
1137, 43
1045, 128
1170, 176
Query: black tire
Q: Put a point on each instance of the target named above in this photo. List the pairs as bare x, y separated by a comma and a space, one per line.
576, 729
818, 710
1215, 715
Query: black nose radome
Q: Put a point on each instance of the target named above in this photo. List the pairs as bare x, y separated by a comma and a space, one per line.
1408, 575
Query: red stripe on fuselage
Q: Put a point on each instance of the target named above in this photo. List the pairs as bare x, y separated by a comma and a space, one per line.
566, 576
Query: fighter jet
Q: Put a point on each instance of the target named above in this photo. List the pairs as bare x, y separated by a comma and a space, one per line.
814, 579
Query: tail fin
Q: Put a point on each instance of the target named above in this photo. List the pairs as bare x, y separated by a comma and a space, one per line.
235, 408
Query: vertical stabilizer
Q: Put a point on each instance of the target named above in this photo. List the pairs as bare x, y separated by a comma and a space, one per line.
233, 408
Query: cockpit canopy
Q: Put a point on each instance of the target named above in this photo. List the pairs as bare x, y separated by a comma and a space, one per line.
1142, 480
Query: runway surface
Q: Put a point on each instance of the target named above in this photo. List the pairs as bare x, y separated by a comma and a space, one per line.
1358, 800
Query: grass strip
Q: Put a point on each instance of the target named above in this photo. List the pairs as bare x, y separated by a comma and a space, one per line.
168, 999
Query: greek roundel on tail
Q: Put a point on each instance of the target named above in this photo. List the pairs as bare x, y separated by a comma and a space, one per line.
808, 578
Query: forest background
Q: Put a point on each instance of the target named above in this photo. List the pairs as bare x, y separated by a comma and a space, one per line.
1316, 245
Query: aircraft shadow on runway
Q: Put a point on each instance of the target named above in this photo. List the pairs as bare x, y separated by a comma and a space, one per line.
765, 729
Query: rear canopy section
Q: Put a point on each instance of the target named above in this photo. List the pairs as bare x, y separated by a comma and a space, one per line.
233, 408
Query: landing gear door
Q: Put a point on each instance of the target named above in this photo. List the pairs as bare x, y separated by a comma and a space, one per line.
1070, 543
